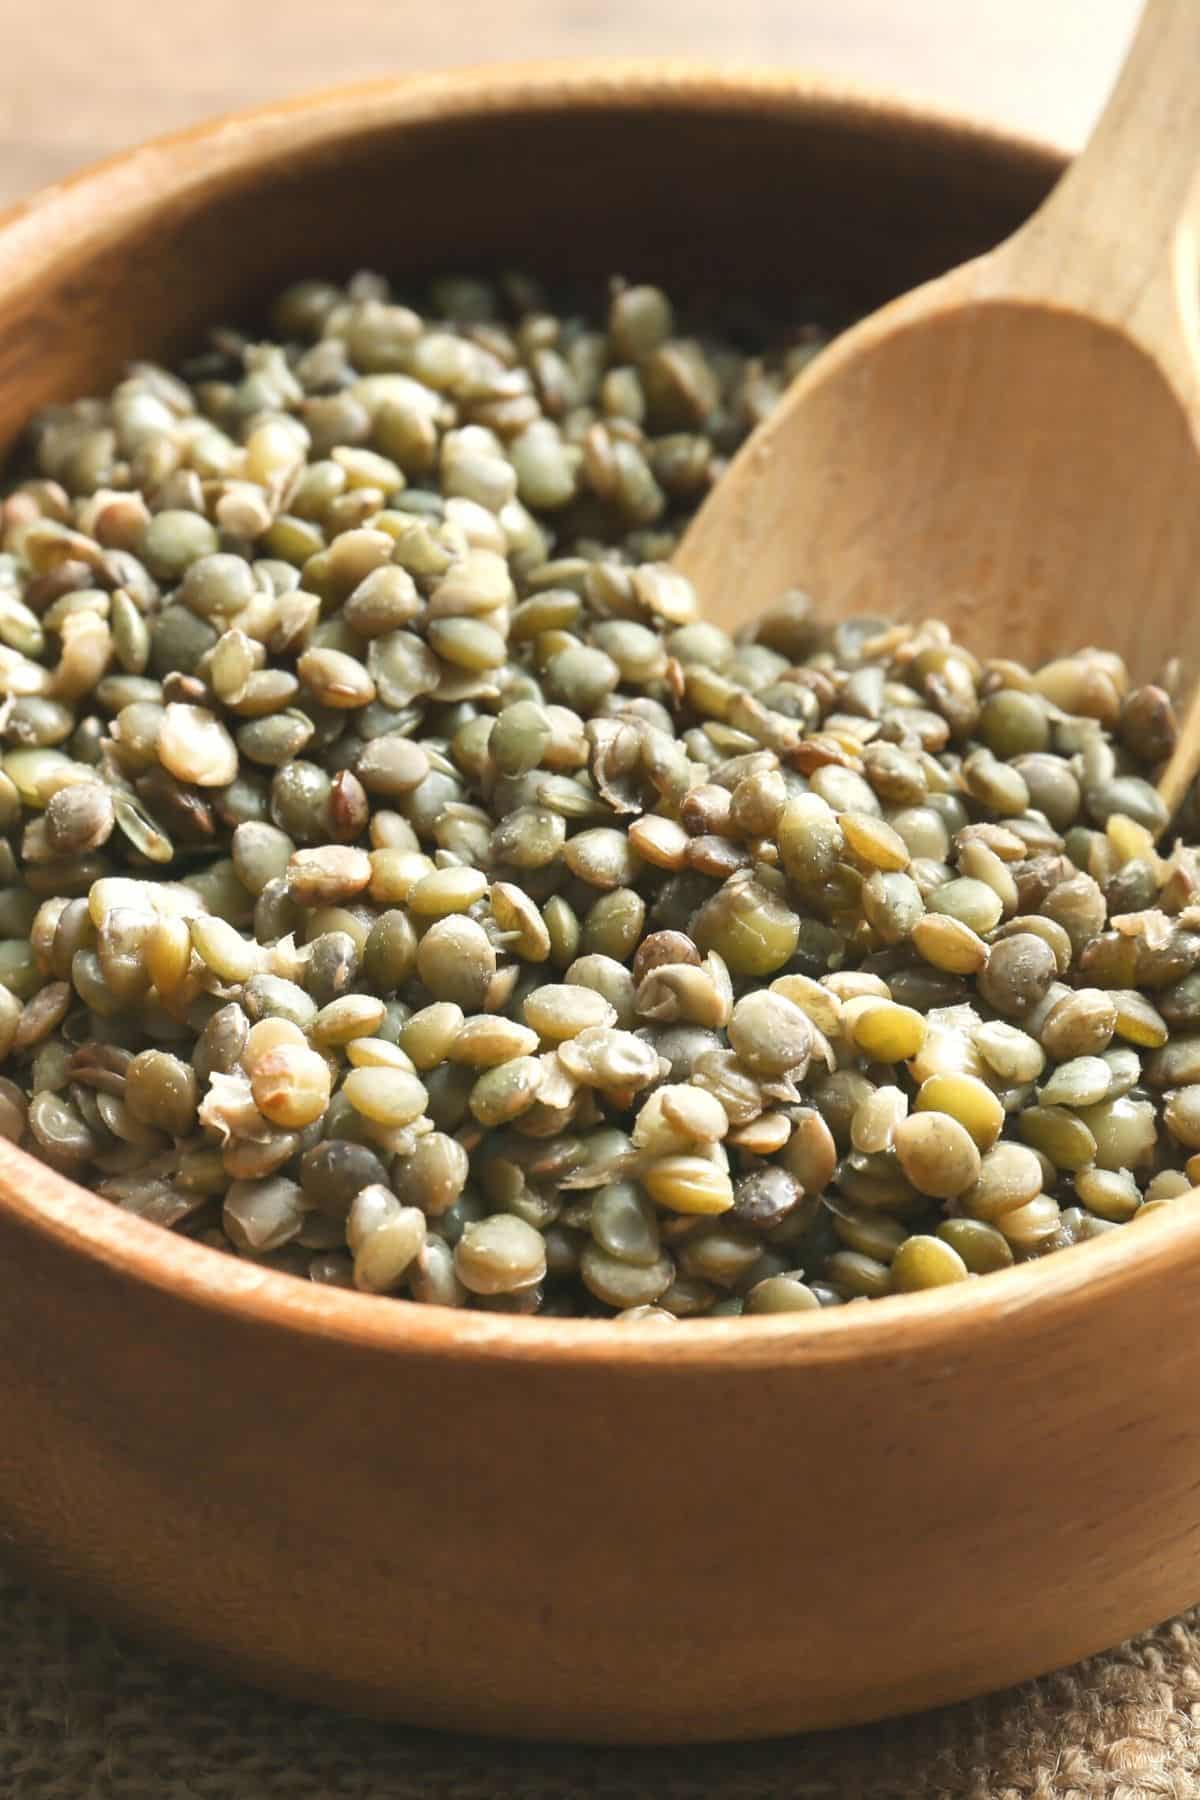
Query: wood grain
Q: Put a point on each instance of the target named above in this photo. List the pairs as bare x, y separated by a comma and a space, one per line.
553, 1527
79, 80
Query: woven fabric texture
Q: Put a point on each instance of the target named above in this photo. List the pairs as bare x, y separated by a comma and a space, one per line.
87, 1716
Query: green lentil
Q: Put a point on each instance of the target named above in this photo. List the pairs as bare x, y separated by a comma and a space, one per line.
925, 1262
390, 856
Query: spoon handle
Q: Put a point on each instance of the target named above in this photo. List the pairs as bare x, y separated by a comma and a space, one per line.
1119, 238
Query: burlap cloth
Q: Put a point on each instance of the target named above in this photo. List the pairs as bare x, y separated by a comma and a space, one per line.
87, 1716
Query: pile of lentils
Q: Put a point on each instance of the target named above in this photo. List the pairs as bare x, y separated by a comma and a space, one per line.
404, 887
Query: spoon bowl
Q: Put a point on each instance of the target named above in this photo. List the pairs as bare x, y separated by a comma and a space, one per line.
909, 509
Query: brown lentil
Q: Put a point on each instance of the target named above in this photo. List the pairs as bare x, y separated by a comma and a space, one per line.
396, 862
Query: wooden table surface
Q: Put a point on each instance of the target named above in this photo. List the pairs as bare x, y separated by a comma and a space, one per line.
82, 78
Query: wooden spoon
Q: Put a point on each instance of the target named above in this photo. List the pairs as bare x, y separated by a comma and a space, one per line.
1012, 447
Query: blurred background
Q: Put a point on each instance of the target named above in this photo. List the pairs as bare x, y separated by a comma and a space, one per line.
82, 78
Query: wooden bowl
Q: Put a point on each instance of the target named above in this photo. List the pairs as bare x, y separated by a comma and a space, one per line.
565, 1528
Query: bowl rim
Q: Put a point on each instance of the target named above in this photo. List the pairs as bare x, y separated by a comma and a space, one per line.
107, 200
